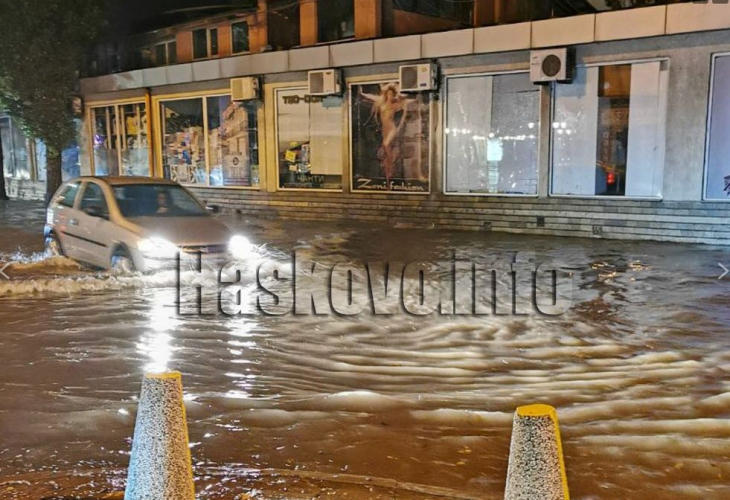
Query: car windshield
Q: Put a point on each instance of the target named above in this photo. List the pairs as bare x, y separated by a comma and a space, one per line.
156, 200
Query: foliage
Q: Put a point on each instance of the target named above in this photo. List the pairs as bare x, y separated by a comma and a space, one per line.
42, 47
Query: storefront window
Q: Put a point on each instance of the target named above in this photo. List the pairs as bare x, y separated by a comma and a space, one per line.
232, 141
134, 143
16, 162
105, 140
119, 140
391, 139
183, 153
608, 131
717, 177
309, 134
491, 133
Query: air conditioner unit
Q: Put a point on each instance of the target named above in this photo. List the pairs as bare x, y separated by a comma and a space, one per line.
552, 65
325, 82
418, 77
245, 89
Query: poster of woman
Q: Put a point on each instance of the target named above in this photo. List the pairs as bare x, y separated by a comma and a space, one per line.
390, 139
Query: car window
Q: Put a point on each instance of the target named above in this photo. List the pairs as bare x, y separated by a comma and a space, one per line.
68, 195
94, 197
157, 200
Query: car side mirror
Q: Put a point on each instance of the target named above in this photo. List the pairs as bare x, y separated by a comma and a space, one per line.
95, 211
213, 209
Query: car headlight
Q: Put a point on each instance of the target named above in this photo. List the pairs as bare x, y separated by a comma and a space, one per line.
239, 247
158, 248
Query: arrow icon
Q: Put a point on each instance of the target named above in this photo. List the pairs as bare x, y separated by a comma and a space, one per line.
725, 271
2, 271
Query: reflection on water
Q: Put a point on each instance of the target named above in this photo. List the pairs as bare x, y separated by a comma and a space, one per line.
639, 369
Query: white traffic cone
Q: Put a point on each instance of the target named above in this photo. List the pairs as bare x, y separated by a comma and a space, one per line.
160, 467
536, 466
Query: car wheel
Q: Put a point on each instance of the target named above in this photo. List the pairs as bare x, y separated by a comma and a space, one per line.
122, 263
53, 246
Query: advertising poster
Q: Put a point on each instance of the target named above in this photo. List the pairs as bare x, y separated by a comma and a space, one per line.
390, 139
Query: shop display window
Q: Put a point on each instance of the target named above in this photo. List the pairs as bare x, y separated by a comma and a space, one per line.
232, 140
491, 134
717, 175
183, 141
608, 131
391, 138
309, 140
210, 141
119, 140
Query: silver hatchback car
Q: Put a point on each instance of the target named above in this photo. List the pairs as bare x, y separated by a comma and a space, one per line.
135, 224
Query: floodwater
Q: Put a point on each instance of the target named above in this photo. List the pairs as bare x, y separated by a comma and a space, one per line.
372, 406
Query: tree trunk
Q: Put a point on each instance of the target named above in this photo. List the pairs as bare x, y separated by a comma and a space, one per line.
53, 173
3, 193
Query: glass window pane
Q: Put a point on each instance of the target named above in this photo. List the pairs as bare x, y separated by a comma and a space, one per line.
233, 142
608, 131
491, 135
240, 37
135, 144
160, 54
172, 52
213, 34
93, 197
183, 153
106, 159
200, 44
614, 96
311, 154
390, 139
718, 154
15, 150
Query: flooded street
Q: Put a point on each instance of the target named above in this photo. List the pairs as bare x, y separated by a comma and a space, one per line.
639, 370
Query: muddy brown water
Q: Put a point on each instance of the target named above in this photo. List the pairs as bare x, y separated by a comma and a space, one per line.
639, 370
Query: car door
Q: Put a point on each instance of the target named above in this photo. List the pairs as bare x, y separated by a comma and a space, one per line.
94, 226
65, 218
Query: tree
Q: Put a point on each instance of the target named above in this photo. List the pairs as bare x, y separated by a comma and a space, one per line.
42, 48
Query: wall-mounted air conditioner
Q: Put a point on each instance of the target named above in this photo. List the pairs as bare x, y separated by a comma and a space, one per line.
552, 65
245, 89
418, 77
325, 82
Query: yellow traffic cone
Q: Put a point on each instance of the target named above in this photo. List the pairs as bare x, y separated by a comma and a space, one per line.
536, 466
160, 467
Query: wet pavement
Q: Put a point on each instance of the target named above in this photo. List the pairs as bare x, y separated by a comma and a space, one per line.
372, 406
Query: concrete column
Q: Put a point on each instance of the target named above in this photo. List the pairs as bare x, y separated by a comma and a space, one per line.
487, 12
308, 22
160, 467
260, 39
368, 18
536, 467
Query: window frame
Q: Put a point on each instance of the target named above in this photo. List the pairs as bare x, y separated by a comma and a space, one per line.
158, 134
617, 62
538, 133
433, 136
208, 43
277, 159
706, 160
248, 30
90, 107
167, 44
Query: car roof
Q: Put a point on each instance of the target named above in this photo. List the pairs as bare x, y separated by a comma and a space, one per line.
126, 181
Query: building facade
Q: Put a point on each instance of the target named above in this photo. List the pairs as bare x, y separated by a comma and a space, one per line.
634, 147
